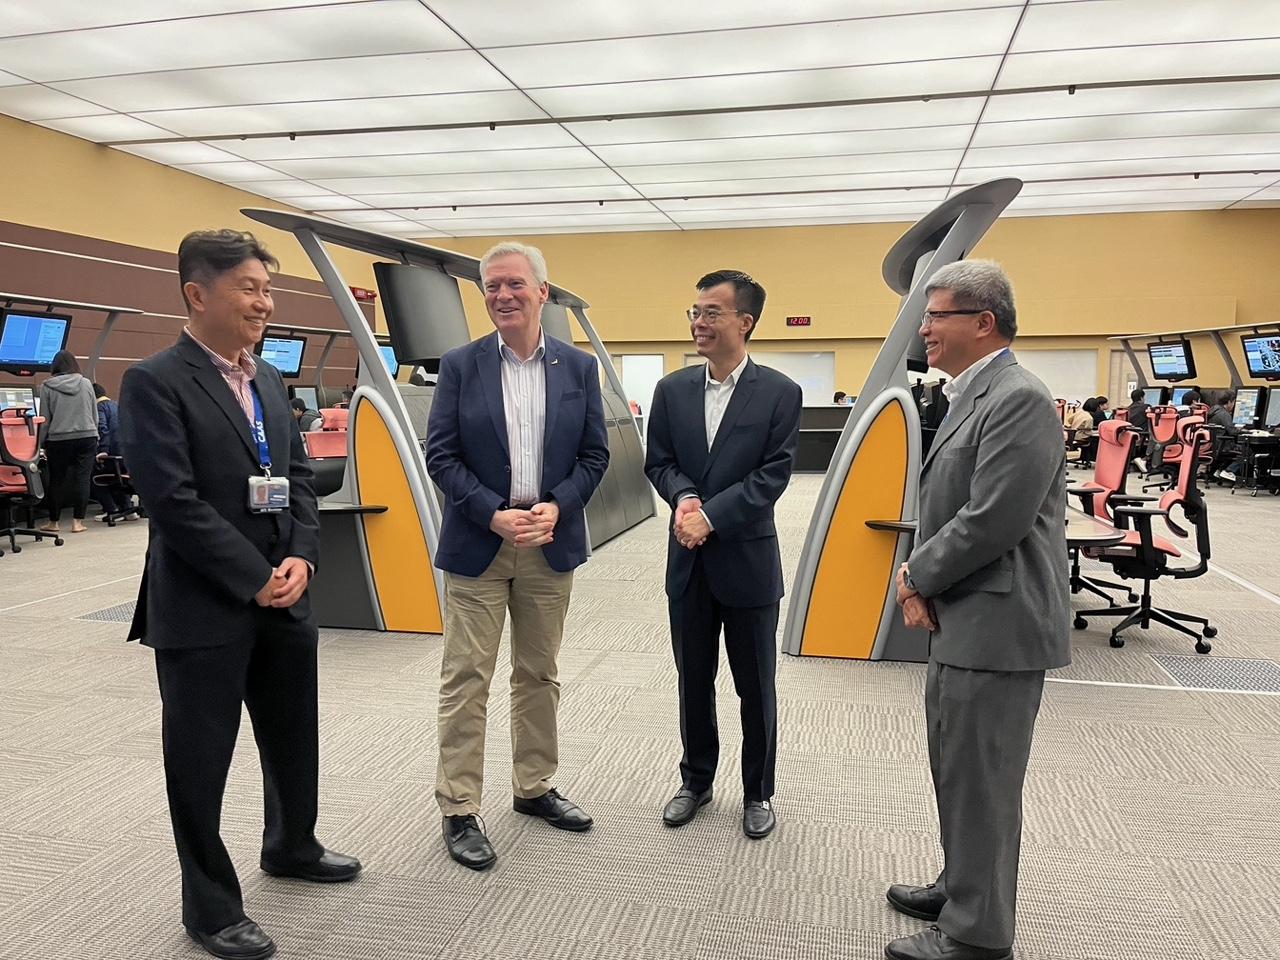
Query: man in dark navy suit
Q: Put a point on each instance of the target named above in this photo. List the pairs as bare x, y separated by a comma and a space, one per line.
722, 440
219, 465
517, 443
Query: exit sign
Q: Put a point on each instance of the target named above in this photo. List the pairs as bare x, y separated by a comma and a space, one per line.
799, 321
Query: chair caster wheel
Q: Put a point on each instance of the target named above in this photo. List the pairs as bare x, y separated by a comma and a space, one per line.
1202, 647
58, 541
1210, 631
1133, 598
17, 549
1080, 623
1117, 641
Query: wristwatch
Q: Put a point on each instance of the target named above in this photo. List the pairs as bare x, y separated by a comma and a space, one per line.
910, 584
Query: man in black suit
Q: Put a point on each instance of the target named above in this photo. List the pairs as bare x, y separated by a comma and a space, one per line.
218, 462
722, 440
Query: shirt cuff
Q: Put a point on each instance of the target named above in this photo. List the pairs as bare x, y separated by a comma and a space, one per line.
687, 495
710, 525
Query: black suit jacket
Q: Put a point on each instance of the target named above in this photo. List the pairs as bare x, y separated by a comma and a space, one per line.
738, 480
190, 454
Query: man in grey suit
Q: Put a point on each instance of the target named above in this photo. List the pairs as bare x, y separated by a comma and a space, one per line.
988, 578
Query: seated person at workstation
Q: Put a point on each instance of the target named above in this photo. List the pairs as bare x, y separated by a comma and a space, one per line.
1101, 411
307, 419
1138, 408
1226, 464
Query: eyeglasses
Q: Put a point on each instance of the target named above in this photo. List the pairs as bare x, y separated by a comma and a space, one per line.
932, 315
711, 316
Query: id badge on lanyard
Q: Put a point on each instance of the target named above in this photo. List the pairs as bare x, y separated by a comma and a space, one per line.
267, 494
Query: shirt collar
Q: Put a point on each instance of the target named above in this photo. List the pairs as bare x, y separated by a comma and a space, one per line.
957, 386
248, 364
508, 354
729, 381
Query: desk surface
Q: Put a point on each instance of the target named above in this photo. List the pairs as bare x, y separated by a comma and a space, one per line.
1084, 531
352, 508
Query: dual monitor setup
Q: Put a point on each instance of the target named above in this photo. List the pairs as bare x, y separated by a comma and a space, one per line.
285, 354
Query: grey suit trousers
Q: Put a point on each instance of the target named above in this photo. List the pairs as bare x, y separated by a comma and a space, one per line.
980, 724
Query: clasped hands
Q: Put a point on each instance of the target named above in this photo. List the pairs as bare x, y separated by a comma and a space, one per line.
690, 526
287, 583
916, 610
527, 528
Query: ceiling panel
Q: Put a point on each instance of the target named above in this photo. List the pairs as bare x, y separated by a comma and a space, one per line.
1234, 58
1077, 151
232, 172
865, 163
424, 198
460, 223
346, 78
507, 22
846, 211
1128, 126
413, 141
441, 108
110, 126
444, 215
285, 188
1080, 209
816, 199
31, 101
889, 179
801, 221
970, 174
181, 153
1208, 196
509, 180
896, 39
1130, 100
555, 158
1243, 183
527, 230
9, 79
1059, 26
748, 89
50, 15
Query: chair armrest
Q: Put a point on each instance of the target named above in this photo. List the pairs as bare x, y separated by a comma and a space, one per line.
1125, 498
1140, 511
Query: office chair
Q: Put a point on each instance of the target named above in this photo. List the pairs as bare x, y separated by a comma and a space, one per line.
1172, 452
1144, 556
333, 418
20, 485
1099, 496
111, 474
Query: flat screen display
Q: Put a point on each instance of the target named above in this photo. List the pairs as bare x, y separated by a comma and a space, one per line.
308, 395
1262, 356
283, 353
1271, 419
28, 341
1171, 360
1178, 394
389, 358
17, 397
1151, 396
1248, 406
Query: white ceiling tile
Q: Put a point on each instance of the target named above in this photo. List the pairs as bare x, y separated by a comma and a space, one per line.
504, 22
31, 101
1138, 148
613, 191
1061, 211
445, 216
843, 211
1233, 58
349, 114
285, 188
871, 116
971, 174
534, 221
1060, 26
1128, 126
333, 202
9, 79
232, 172
406, 142
106, 126
1132, 100
338, 30
780, 184
748, 89
896, 39
1256, 204
555, 158
808, 145
866, 163
21, 17
346, 78
917, 198
1242, 183
526, 230
800, 221
1111, 197
509, 180
180, 153
363, 216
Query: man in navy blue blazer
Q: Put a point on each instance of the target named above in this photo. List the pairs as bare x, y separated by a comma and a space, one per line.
517, 443
722, 440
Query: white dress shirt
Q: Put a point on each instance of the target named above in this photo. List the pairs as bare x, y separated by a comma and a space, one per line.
524, 402
716, 396
954, 388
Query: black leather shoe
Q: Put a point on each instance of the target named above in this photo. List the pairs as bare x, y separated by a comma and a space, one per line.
240, 941
684, 806
923, 903
933, 944
330, 868
554, 809
467, 843
757, 819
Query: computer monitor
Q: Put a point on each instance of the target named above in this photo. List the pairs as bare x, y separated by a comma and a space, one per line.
1152, 396
283, 353
1262, 356
1171, 360
1248, 406
17, 397
308, 395
1271, 418
29, 340
389, 358
1178, 394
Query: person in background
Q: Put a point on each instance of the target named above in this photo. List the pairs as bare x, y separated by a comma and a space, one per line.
307, 419
347, 395
839, 396
112, 500
1138, 408
1225, 465
1101, 411
68, 405
1192, 396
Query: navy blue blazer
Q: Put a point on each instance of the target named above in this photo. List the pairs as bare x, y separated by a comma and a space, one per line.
190, 454
738, 480
469, 459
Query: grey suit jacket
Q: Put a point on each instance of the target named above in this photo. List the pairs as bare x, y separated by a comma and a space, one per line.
991, 550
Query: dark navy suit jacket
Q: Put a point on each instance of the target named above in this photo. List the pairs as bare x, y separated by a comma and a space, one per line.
739, 479
190, 454
469, 458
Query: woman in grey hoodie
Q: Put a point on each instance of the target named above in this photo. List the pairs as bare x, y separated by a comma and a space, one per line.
68, 405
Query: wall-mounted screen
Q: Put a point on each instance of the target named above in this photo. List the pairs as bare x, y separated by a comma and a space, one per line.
28, 341
11, 397
283, 353
1248, 406
1171, 359
1262, 356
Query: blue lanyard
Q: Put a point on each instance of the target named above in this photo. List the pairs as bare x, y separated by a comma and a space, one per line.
259, 430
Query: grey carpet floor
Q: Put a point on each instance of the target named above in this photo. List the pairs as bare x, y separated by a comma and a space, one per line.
1152, 814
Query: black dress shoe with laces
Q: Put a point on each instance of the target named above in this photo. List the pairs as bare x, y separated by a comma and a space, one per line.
330, 868
757, 819
240, 941
923, 903
554, 809
467, 843
933, 944
684, 806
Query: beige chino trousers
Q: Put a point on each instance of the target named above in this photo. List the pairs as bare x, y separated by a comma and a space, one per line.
475, 610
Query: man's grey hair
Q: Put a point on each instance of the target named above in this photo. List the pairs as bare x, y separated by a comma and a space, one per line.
979, 285
508, 247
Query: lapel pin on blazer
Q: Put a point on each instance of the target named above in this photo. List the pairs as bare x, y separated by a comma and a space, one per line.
555, 361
